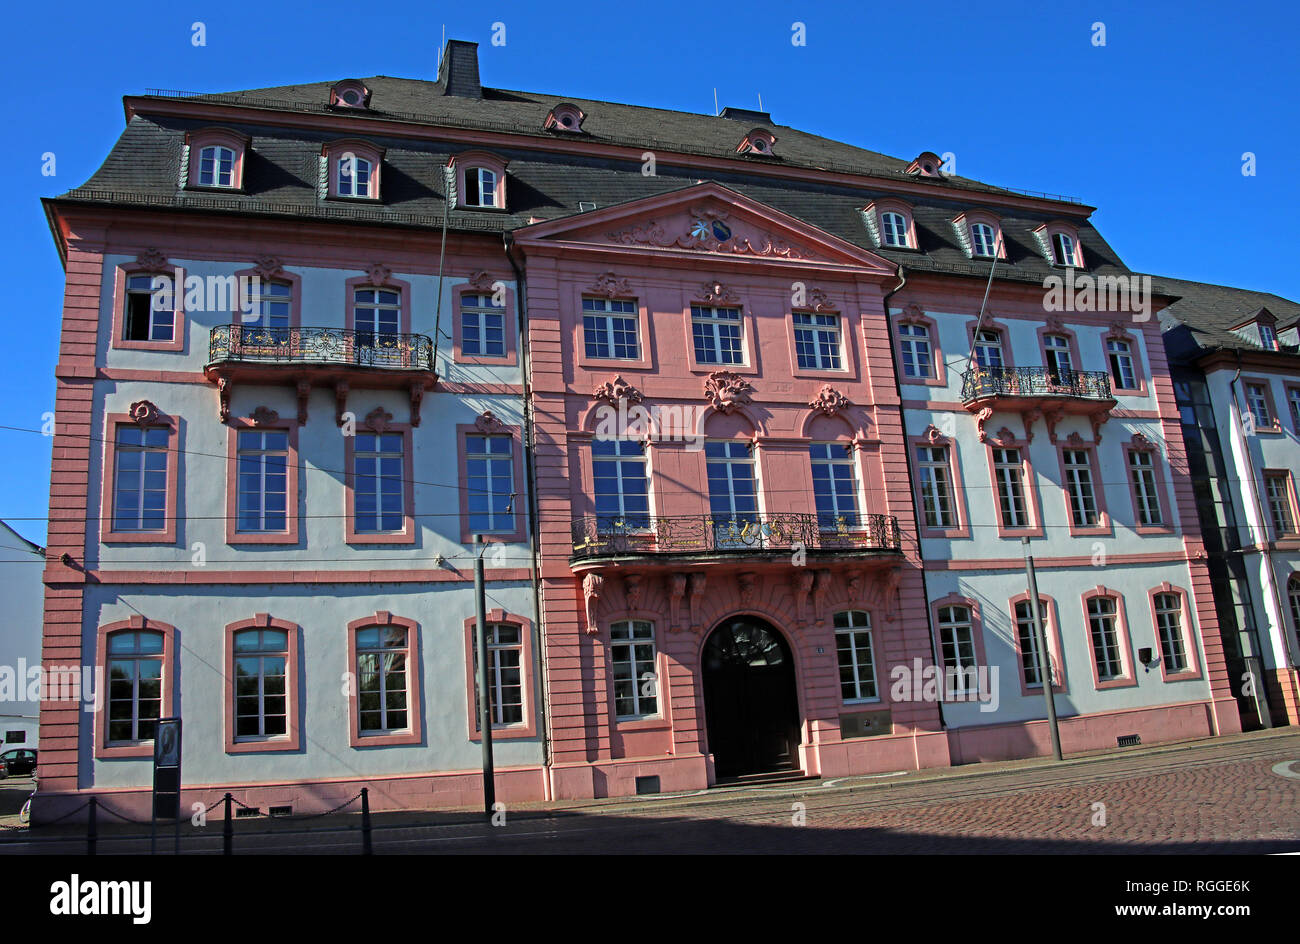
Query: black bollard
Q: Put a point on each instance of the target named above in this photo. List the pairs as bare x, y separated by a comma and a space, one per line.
366, 848
227, 829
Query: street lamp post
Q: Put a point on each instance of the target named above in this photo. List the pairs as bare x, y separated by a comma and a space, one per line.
484, 692
1044, 657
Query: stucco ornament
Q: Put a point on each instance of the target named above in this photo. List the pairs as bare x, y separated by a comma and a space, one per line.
379, 419
718, 292
982, 417
486, 422
818, 300
378, 273
933, 436
612, 391
726, 390
152, 258
268, 267
829, 401
264, 416
144, 413
632, 591
481, 280
610, 285
747, 582
592, 585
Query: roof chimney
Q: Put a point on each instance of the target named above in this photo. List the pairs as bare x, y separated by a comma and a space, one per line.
746, 114
458, 74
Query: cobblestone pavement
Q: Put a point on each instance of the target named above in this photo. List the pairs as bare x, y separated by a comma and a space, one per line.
1235, 795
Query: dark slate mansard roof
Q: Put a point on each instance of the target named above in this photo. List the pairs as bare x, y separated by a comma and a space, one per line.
1200, 322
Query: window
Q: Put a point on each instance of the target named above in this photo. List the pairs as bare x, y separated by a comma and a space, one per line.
988, 348
1123, 376
376, 315
263, 478
618, 468
817, 340
717, 335
835, 486
1258, 400
936, 487
893, 228
135, 679
482, 327
268, 307
733, 494
1063, 249
140, 478
957, 646
1277, 495
379, 492
354, 175
15, 737
261, 699
1079, 487
1060, 365
1142, 475
1267, 336
983, 239
914, 345
853, 649
1169, 627
1028, 635
490, 483
150, 315
480, 187
1293, 398
216, 166
505, 674
1009, 476
1103, 625
632, 654
609, 328
1293, 595
382, 679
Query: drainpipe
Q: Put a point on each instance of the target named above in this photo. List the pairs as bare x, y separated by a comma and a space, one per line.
1266, 716
530, 475
911, 470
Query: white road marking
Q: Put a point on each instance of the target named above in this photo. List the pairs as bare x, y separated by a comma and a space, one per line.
1284, 769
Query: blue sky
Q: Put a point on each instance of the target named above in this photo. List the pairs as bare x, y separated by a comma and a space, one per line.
1150, 128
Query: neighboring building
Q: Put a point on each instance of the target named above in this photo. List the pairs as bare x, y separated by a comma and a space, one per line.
263, 516
1234, 356
20, 642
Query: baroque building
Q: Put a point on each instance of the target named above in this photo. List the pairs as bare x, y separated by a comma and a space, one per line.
753, 457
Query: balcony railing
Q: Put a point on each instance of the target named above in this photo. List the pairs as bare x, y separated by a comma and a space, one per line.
600, 536
981, 383
335, 346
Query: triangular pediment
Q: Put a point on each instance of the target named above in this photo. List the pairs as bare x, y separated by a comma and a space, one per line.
706, 220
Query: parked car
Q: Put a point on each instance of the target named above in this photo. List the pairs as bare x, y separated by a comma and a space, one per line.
18, 762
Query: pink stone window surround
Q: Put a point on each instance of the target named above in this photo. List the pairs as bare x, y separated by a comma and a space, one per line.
1257, 392
633, 651
957, 492
717, 336
1002, 470
464, 297
121, 276
1051, 236
1151, 463
527, 728
213, 141
109, 533
858, 657
1116, 343
480, 180
908, 343
410, 654
848, 344
998, 328
291, 740
1049, 340
1103, 526
407, 533
1157, 597
519, 508
1047, 611
1117, 646
992, 246
234, 536
959, 639
644, 329
898, 232
362, 182
104, 749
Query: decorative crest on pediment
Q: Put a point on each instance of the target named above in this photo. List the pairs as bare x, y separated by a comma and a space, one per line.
268, 267
933, 436
481, 280
708, 230
717, 292
144, 413
487, 422
378, 419
378, 273
610, 285
264, 416
829, 401
152, 259
726, 390
612, 391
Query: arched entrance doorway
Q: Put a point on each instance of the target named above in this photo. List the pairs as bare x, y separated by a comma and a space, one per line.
750, 705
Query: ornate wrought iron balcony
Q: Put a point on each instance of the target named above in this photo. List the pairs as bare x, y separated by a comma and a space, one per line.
602, 536
989, 383
320, 346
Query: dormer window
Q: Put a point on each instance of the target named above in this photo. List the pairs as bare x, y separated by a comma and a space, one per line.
759, 141
890, 224
350, 93
980, 234
480, 180
1267, 337
354, 170
215, 159
1060, 244
564, 117
1260, 327
927, 164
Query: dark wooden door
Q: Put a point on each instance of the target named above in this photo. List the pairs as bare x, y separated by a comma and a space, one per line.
751, 709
